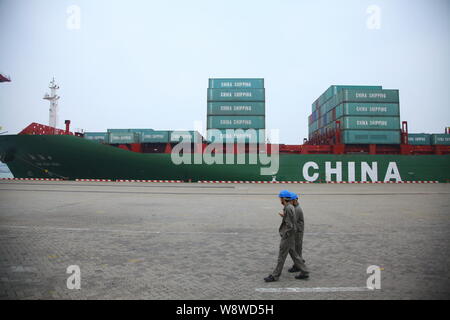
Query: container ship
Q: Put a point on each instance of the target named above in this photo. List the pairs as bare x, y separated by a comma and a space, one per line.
355, 136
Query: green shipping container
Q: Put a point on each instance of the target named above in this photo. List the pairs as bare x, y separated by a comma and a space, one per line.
129, 130
443, 139
97, 136
371, 137
236, 135
236, 122
140, 130
367, 96
340, 87
233, 108
419, 139
123, 137
236, 95
155, 136
313, 126
368, 109
185, 136
249, 83
334, 89
365, 123
383, 96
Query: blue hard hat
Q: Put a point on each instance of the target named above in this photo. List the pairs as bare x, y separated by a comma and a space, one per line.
293, 196
284, 194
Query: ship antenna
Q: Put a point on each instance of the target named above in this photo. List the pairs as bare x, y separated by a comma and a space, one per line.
53, 98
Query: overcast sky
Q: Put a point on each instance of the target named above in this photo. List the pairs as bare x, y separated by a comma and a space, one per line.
146, 64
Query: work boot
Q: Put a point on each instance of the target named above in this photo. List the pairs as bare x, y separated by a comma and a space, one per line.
270, 278
293, 269
302, 276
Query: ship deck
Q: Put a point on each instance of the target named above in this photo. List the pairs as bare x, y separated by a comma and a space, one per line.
197, 241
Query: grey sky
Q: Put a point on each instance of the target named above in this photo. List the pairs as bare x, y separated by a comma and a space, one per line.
146, 64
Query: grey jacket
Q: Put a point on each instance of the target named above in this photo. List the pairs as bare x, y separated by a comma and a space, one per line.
299, 220
288, 226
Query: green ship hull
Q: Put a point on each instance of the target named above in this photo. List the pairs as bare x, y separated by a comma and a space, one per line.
69, 157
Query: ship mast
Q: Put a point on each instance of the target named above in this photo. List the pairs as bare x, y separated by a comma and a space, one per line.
53, 98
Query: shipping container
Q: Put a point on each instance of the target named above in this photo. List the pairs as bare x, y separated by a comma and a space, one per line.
315, 115
236, 122
155, 136
185, 136
383, 96
141, 130
329, 105
327, 118
367, 96
368, 109
236, 135
313, 126
236, 108
329, 128
322, 122
322, 110
335, 89
129, 130
123, 137
371, 137
366, 123
236, 95
97, 136
442, 139
419, 138
117, 130
247, 83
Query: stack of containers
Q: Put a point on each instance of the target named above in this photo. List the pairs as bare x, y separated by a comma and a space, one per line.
235, 104
154, 136
429, 139
102, 137
184, 136
368, 114
124, 136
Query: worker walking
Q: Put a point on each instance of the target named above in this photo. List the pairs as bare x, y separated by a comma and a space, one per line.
300, 228
287, 244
